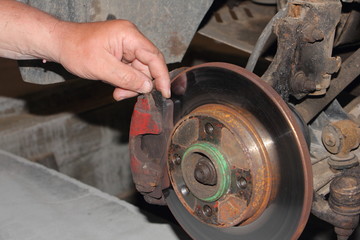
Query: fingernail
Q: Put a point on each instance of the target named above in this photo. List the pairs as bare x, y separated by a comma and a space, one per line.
169, 93
119, 97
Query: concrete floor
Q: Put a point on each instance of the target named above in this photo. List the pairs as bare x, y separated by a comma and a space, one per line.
39, 203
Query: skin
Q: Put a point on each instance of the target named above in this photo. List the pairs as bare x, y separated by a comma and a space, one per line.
113, 51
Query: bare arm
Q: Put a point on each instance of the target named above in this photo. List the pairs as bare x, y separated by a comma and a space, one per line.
112, 51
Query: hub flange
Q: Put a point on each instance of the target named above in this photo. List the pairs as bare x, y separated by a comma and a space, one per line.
224, 165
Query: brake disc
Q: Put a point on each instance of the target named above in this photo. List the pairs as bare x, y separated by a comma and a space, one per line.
237, 160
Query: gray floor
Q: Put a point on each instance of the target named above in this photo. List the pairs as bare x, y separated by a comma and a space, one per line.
38, 203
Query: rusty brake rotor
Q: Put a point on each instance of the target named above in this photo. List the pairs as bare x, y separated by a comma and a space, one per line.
237, 161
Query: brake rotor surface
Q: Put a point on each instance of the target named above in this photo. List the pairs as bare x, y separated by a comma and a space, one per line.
237, 160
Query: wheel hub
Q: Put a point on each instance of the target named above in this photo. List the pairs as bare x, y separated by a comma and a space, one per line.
216, 159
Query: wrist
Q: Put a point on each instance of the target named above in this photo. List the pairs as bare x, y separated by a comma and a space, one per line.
49, 46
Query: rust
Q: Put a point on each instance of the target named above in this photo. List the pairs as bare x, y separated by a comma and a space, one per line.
300, 143
343, 206
350, 135
340, 138
231, 209
305, 43
295, 10
242, 129
150, 126
344, 225
345, 195
246, 146
310, 107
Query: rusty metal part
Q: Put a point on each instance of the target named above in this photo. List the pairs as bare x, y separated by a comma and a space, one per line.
349, 70
303, 64
344, 162
340, 138
330, 149
219, 143
150, 126
343, 207
276, 135
345, 195
336, 173
344, 225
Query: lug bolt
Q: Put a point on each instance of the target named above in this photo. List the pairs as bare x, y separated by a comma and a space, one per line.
209, 128
241, 183
207, 211
177, 159
185, 190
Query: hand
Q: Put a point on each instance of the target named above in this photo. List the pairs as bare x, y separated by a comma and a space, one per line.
114, 52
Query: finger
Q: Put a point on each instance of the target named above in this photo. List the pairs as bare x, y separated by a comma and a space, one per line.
157, 67
141, 67
121, 94
125, 76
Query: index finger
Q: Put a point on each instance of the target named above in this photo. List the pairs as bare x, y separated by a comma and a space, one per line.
157, 67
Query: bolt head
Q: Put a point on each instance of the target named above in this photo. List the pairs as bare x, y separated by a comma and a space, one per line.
209, 128
177, 159
207, 211
241, 183
185, 190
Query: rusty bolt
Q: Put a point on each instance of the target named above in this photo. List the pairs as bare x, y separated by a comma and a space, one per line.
302, 84
241, 183
207, 211
209, 128
177, 159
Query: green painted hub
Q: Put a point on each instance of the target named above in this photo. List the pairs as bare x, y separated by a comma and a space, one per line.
220, 163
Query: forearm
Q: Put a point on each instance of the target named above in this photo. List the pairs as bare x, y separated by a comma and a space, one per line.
27, 33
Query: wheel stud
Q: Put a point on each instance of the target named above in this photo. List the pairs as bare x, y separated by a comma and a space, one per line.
209, 129
185, 191
207, 211
177, 159
241, 183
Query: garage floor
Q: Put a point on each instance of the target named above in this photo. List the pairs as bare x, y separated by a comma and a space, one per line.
39, 203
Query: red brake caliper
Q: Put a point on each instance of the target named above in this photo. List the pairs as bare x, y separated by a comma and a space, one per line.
151, 124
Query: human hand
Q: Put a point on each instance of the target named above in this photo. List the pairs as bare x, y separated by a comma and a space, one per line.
114, 52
